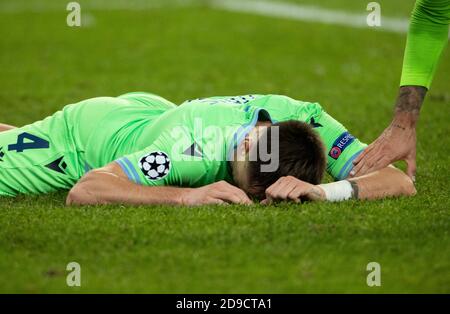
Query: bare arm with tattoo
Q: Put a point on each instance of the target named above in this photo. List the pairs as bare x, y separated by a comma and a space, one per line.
427, 39
398, 141
387, 182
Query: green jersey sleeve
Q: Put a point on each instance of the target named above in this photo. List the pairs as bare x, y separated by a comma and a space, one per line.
341, 146
189, 145
164, 163
427, 38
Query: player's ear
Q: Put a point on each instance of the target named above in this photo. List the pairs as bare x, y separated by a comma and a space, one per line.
251, 139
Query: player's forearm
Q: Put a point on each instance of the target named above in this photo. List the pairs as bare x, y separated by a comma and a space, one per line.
100, 187
387, 182
407, 109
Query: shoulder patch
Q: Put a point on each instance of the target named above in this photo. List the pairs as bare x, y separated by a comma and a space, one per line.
155, 165
340, 144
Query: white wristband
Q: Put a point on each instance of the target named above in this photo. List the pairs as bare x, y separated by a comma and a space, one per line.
338, 191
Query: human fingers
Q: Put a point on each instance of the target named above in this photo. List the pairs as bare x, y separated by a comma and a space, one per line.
284, 188
411, 170
229, 189
214, 201
366, 164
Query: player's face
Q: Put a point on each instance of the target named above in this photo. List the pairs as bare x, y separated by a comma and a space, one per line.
242, 156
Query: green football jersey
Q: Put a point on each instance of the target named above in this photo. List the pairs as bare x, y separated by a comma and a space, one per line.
191, 145
154, 142
341, 147
54, 153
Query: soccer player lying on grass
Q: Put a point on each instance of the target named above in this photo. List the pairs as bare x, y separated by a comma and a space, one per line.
139, 148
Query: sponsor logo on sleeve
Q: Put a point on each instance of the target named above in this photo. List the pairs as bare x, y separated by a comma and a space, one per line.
341, 143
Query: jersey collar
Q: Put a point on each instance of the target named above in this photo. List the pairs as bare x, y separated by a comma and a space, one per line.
245, 129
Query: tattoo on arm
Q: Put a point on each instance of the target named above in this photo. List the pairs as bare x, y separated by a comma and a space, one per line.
410, 99
355, 189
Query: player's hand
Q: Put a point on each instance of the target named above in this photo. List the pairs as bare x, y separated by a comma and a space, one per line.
398, 141
395, 143
292, 189
216, 193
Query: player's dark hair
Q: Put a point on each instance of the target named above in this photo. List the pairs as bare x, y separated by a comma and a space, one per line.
301, 155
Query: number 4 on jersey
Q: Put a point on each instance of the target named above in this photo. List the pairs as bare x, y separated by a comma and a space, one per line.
33, 142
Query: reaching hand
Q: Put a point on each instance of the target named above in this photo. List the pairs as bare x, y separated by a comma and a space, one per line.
292, 189
395, 143
216, 193
398, 141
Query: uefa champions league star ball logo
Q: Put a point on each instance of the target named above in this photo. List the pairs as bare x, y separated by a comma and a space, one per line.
155, 166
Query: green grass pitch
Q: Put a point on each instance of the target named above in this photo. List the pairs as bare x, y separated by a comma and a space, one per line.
183, 52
